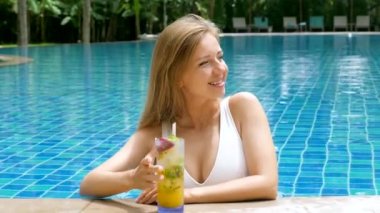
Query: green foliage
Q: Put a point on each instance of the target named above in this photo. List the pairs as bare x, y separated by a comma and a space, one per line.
39, 7
110, 17
34, 7
125, 9
71, 12
220, 14
65, 20
201, 9
8, 25
136, 7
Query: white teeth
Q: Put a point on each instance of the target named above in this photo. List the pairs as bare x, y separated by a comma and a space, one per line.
219, 83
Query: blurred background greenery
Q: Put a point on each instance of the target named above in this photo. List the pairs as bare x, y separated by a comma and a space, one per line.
64, 21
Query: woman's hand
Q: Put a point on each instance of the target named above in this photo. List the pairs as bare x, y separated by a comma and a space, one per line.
148, 196
146, 175
149, 175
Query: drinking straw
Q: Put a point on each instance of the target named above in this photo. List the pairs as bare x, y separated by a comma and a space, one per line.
174, 126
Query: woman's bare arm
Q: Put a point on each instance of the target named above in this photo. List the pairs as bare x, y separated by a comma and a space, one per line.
131, 167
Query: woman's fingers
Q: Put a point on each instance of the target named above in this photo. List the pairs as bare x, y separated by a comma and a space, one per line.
149, 178
151, 196
147, 174
152, 177
140, 197
148, 196
148, 160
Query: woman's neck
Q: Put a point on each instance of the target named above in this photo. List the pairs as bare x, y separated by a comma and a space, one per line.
199, 115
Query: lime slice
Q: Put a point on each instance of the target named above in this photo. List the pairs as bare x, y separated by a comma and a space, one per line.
172, 138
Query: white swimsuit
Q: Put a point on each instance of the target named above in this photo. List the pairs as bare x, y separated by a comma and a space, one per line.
230, 161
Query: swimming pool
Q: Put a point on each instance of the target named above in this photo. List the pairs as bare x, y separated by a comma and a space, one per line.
73, 107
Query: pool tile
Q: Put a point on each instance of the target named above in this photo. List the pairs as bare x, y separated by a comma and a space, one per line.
29, 194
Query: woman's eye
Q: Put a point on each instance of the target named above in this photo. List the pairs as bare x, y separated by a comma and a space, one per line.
203, 63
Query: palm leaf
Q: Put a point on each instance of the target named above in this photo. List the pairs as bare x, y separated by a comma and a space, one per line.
66, 20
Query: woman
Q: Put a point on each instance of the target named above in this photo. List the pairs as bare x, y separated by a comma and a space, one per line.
229, 150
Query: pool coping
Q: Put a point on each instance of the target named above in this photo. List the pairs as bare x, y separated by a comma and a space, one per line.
296, 33
8, 60
306, 33
288, 204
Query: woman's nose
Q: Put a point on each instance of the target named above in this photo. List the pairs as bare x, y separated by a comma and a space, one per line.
220, 67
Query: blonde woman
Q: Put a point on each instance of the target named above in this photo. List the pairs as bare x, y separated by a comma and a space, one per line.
229, 151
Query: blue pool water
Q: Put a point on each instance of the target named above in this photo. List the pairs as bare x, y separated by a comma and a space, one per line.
74, 107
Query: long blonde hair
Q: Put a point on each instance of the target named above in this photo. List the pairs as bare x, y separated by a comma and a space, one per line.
174, 46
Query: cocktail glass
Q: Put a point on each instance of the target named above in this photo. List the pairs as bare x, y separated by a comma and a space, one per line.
171, 188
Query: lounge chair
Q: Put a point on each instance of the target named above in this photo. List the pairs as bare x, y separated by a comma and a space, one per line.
239, 23
316, 23
290, 23
362, 22
340, 22
260, 23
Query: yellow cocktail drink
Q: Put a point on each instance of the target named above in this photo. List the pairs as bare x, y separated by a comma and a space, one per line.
171, 188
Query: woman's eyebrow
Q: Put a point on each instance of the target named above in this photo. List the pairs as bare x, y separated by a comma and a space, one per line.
201, 58
207, 56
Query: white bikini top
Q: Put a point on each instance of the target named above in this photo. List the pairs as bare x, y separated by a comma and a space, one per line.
230, 161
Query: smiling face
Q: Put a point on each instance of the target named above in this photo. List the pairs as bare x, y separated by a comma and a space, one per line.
206, 72
173, 80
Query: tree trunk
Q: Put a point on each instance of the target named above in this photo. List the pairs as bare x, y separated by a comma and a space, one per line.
103, 31
377, 26
300, 10
150, 22
165, 16
250, 10
22, 23
112, 28
211, 9
86, 26
136, 8
43, 34
80, 28
351, 13
94, 30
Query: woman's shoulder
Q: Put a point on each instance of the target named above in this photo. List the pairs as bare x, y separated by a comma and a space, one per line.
147, 134
149, 129
242, 100
244, 104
